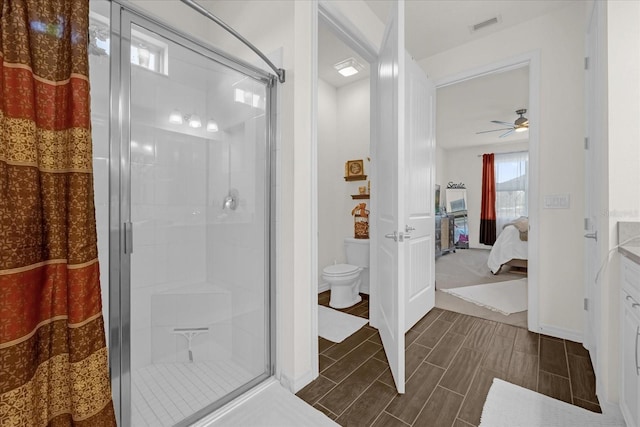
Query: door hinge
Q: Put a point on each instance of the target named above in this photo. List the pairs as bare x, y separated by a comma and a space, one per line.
586, 304
586, 62
586, 143
128, 237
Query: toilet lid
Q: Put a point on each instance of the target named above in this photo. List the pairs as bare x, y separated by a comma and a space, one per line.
339, 269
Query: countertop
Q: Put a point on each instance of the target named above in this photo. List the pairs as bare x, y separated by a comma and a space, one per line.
629, 232
631, 252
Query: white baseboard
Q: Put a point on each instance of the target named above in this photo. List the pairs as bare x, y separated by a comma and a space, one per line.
557, 332
300, 382
611, 409
325, 287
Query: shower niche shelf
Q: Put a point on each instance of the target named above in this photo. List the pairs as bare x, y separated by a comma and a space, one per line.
356, 178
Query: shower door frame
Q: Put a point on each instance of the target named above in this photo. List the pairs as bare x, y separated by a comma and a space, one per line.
123, 15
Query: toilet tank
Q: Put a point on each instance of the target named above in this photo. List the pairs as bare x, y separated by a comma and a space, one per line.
357, 251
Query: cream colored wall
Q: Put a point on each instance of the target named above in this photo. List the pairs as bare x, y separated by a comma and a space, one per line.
559, 37
464, 165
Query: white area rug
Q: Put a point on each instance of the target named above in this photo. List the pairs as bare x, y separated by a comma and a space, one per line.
503, 297
509, 405
335, 325
273, 406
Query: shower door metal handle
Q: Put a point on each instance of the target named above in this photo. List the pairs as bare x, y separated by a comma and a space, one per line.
128, 237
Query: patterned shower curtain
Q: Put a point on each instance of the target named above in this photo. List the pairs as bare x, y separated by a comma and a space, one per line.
53, 358
488, 206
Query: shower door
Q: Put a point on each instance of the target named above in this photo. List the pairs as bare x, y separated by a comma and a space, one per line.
191, 159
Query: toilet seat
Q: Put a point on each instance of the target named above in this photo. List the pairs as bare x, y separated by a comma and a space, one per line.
340, 270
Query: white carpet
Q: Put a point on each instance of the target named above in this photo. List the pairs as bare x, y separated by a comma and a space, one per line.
335, 325
509, 405
503, 297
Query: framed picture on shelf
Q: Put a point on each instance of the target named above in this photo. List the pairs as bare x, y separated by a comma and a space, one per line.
354, 168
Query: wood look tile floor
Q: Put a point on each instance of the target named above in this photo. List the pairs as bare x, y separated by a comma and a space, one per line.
451, 360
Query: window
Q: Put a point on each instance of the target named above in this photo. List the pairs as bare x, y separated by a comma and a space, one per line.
146, 51
512, 183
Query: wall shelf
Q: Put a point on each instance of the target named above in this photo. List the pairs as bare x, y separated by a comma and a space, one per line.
359, 196
356, 178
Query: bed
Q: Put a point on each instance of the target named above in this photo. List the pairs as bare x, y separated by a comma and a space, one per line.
509, 249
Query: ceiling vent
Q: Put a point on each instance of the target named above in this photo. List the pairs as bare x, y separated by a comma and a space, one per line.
485, 24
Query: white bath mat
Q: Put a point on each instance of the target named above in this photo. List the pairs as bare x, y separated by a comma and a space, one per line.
509, 405
335, 325
273, 406
503, 297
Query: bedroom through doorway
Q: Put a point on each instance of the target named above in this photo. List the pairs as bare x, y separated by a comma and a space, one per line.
483, 142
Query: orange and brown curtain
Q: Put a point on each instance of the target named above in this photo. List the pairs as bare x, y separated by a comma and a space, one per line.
53, 358
488, 206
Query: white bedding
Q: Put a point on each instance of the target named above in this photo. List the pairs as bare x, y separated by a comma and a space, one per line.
508, 246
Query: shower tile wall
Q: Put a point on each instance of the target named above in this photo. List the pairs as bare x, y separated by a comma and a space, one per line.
237, 260
168, 175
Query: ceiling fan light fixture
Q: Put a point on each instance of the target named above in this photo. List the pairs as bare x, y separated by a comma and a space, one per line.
521, 129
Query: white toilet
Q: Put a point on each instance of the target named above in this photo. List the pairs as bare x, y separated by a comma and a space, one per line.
345, 280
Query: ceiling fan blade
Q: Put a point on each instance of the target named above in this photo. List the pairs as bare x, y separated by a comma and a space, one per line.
507, 133
498, 122
495, 130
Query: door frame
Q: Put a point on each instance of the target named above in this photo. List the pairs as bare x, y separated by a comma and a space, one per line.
531, 60
347, 32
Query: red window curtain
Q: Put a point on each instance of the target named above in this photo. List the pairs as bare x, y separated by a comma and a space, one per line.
53, 357
488, 208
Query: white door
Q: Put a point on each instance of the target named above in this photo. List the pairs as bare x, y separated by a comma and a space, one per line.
593, 172
419, 170
388, 155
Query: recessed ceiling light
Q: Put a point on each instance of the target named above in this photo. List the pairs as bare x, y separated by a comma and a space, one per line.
348, 67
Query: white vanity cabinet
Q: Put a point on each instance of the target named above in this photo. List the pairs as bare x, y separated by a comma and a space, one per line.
629, 342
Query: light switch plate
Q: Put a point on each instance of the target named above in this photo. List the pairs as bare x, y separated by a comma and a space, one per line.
557, 201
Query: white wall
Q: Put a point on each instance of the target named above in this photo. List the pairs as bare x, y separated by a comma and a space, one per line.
559, 37
441, 170
343, 134
330, 189
464, 165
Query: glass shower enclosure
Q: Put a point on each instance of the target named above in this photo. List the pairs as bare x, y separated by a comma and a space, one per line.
184, 216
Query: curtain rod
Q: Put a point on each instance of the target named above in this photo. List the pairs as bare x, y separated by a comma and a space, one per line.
279, 71
508, 152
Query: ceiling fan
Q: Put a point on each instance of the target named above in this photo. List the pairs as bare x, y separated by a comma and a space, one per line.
520, 125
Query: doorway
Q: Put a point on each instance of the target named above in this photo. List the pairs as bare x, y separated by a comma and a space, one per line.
343, 137
456, 168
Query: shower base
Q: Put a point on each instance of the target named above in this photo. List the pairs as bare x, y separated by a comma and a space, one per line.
165, 394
